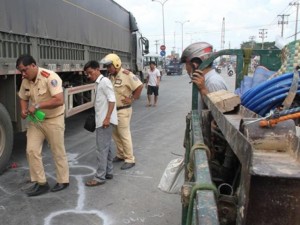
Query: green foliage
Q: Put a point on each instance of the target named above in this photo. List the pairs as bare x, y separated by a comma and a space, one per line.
257, 46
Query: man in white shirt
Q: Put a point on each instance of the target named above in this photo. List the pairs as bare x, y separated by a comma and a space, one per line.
106, 119
153, 80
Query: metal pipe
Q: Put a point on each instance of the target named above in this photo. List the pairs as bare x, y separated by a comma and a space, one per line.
225, 189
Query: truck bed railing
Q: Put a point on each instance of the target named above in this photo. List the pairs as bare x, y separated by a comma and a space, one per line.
69, 96
201, 190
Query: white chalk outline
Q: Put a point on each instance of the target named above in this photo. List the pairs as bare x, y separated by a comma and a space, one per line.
80, 203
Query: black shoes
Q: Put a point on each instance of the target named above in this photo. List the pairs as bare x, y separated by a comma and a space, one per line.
127, 166
109, 176
38, 189
59, 187
117, 159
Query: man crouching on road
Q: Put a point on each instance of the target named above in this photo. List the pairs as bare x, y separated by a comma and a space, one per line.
106, 119
127, 88
42, 89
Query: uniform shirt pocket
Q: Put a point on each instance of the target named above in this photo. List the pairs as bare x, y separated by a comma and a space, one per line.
119, 88
42, 91
27, 92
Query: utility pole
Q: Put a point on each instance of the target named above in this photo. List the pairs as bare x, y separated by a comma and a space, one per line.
174, 42
282, 22
296, 27
252, 41
223, 34
192, 40
156, 45
262, 35
182, 23
163, 17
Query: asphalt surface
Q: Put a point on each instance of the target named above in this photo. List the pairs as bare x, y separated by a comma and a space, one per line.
132, 196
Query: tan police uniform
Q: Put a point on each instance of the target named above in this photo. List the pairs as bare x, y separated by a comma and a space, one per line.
124, 85
46, 85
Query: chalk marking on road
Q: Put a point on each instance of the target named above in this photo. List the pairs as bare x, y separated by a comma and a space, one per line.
81, 193
5, 191
129, 175
79, 209
79, 156
158, 215
102, 216
135, 174
134, 220
141, 219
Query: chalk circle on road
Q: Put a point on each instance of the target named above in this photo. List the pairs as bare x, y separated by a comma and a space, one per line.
76, 217
81, 170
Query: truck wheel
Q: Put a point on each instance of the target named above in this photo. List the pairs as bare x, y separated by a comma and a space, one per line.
6, 138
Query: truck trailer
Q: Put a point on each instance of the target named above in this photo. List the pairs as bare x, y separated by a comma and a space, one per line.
62, 35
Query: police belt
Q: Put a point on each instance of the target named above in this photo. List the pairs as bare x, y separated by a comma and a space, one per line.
123, 107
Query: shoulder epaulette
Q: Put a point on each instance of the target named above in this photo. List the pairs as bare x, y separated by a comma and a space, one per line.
126, 72
45, 74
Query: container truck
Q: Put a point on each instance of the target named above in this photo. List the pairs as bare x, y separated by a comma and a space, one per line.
62, 35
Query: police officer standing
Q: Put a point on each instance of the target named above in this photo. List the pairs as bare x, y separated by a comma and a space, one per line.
127, 88
42, 89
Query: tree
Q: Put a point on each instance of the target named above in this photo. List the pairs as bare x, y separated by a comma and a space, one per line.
257, 46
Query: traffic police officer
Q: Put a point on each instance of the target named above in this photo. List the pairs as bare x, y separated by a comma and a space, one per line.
127, 88
42, 89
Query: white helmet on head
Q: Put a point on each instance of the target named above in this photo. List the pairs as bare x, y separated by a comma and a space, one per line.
200, 50
111, 59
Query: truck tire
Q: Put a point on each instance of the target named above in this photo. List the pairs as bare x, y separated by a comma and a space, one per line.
6, 138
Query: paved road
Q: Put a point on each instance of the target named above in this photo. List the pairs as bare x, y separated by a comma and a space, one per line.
132, 197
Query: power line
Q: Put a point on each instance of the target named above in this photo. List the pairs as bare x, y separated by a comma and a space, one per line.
284, 11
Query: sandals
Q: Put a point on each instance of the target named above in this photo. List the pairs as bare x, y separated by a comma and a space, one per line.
93, 183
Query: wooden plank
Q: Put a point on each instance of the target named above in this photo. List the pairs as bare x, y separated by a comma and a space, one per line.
225, 101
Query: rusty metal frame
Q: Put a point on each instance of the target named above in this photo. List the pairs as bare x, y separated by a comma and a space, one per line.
259, 168
205, 203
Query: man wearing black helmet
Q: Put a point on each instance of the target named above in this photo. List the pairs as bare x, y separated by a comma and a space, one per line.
207, 80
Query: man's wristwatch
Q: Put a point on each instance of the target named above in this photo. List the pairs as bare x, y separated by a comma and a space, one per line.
37, 106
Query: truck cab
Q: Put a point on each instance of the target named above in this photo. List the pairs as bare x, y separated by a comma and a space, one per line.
174, 67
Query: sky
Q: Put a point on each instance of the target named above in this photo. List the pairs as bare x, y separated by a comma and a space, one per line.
243, 20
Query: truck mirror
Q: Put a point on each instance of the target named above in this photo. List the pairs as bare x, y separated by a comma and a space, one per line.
146, 51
